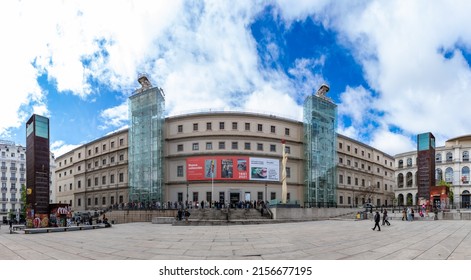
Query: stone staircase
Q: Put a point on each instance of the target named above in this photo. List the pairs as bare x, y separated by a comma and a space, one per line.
208, 217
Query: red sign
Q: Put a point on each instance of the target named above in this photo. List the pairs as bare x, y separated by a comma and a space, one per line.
217, 168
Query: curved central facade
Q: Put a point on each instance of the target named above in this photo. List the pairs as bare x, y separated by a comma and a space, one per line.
232, 156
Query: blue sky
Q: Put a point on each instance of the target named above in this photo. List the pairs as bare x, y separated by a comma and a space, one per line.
395, 68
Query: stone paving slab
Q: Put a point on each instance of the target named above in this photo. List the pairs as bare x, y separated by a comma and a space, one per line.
315, 240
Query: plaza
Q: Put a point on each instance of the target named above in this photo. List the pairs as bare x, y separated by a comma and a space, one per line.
316, 240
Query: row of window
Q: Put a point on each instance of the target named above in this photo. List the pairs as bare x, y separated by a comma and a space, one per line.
235, 125
363, 154
438, 158
234, 146
96, 181
465, 176
363, 182
96, 164
103, 201
260, 196
349, 163
4, 155
363, 201
104, 147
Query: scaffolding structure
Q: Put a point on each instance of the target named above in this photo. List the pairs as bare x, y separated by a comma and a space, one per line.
320, 150
146, 113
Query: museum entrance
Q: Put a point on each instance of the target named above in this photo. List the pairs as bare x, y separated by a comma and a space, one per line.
234, 199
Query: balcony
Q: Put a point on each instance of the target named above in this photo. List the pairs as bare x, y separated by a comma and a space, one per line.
3, 199
4, 178
13, 199
3, 168
12, 168
22, 180
22, 169
13, 190
13, 179
4, 190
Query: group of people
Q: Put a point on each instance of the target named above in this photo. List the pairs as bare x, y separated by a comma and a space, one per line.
377, 219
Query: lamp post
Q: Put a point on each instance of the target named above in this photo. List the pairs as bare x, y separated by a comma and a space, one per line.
186, 195
265, 192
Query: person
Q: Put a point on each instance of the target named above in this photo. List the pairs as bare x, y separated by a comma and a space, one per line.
377, 219
187, 215
385, 218
10, 222
404, 217
179, 214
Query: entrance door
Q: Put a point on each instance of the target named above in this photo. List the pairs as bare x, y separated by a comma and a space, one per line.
436, 201
235, 198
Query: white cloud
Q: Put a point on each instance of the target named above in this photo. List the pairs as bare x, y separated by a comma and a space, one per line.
115, 117
58, 148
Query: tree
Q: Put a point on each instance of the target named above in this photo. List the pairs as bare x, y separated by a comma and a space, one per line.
449, 190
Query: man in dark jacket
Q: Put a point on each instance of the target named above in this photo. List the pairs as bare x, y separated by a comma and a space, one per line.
377, 219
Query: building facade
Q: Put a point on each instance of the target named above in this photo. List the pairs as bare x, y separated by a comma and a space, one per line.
13, 171
94, 175
452, 165
365, 174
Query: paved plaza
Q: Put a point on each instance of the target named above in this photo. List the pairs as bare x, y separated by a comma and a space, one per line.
317, 240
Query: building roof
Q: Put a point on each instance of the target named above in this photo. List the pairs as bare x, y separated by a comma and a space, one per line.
463, 138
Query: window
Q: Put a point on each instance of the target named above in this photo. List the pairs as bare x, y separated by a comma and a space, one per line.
234, 125
180, 128
288, 172
180, 171
356, 151
449, 156
349, 180
378, 185
104, 149
89, 201
96, 150
340, 145
340, 179
465, 156
195, 127
348, 162
195, 196
89, 182
409, 162
180, 148
401, 163
121, 157
60, 188
89, 152
96, 181
121, 177
79, 202
96, 200
341, 160
222, 145
449, 175
112, 160
111, 178
287, 149
79, 168
247, 145
112, 200
272, 129
362, 182
287, 131
195, 146
103, 162
356, 181
70, 186
121, 142
438, 157
272, 148
247, 126
260, 127
96, 163
103, 200
209, 145
221, 125
79, 184
259, 147
112, 146
235, 145
260, 195
180, 197
273, 195
103, 180
209, 126
348, 148
341, 199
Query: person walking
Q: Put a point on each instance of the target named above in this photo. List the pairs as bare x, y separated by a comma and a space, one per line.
385, 218
404, 217
377, 219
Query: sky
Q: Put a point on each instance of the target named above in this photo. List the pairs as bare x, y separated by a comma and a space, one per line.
395, 68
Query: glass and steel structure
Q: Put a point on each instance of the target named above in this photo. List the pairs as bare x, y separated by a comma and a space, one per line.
146, 113
320, 150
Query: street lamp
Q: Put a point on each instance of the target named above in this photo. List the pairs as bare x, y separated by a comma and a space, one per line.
186, 195
265, 192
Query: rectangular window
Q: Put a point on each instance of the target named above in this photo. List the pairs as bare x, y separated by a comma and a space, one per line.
287, 131
180, 148
180, 171
103, 200
348, 148
96, 181
96, 150
121, 177
209, 126
89, 201
103, 180
259, 147
247, 126
340, 179
341, 199
235, 145
112, 200
112, 146
272, 148
288, 172
272, 195
111, 178
195, 146
221, 125
356, 181
209, 145
79, 184
272, 129
247, 145
288, 149
195, 196
195, 127
121, 157
222, 145
104, 149
349, 180
234, 125
96, 200
208, 196
180, 197
341, 160
349, 200
340, 145
259, 195
70, 186
112, 159
260, 127
103, 162
79, 202
121, 142
180, 128
89, 182
121, 199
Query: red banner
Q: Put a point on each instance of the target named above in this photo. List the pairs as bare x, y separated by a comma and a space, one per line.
217, 168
